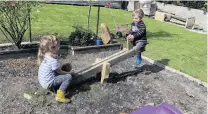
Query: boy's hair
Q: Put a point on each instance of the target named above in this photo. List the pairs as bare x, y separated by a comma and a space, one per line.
47, 44
138, 13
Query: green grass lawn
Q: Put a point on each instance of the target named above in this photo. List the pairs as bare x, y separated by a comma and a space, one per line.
177, 47
61, 18
170, 44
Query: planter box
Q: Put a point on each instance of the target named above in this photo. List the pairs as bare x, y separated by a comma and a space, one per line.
94, 49
32, 49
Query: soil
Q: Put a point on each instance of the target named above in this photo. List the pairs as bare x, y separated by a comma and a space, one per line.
127, 89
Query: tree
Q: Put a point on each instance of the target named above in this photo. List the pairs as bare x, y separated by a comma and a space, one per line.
14, 17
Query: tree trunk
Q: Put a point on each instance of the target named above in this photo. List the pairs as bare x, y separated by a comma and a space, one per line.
18, 43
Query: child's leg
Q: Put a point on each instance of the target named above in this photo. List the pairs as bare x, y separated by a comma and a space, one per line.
138, 49
62, 82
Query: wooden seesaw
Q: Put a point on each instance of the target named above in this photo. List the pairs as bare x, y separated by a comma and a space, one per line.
103, 65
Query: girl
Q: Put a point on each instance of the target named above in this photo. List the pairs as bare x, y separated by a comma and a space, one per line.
49, 66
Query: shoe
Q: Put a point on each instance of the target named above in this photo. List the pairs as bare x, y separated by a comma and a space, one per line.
138, 60
60, 97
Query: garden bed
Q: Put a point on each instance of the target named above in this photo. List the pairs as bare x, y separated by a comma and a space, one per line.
126, 89
32, 48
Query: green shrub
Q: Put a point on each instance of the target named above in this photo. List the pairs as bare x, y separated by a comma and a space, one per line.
82, 37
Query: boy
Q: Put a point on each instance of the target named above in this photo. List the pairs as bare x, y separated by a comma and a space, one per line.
138, 34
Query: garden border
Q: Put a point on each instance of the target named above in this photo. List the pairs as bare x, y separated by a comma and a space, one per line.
200, 82
78, 49
70, 48
75, 49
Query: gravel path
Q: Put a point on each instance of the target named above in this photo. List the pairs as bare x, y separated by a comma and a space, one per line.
126, 89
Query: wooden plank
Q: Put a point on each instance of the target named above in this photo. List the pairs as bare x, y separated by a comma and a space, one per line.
121, 57
97, 60
105, 71
172, 20
178, 18
94, 69
115, 54
102, 61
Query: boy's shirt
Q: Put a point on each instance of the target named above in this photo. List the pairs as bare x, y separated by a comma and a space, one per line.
138, 30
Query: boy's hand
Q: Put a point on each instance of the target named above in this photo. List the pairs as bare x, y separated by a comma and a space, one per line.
130, 37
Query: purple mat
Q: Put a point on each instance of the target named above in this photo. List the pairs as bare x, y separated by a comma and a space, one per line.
164, 108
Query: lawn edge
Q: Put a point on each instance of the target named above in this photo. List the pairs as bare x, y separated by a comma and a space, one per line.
200, 82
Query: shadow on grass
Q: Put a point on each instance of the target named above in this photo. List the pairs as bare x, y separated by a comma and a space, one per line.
163, 61
159, 34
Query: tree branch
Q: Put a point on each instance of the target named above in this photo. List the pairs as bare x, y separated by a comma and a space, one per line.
10, 24
8, 32
6, 36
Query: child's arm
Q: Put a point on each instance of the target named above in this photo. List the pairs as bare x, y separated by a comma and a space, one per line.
56, 67
61, 72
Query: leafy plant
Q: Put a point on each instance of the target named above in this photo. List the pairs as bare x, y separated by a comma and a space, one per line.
81, 37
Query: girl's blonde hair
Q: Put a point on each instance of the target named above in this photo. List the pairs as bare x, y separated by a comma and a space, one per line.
48, 43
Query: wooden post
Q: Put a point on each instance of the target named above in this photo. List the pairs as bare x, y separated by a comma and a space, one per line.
98, 16
30, 32
105, 71
129, 45
88, 23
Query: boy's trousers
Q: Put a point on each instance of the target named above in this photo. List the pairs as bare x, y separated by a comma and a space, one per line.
140, 47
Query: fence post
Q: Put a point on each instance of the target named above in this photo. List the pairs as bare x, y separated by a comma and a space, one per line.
98, 16
30, 32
